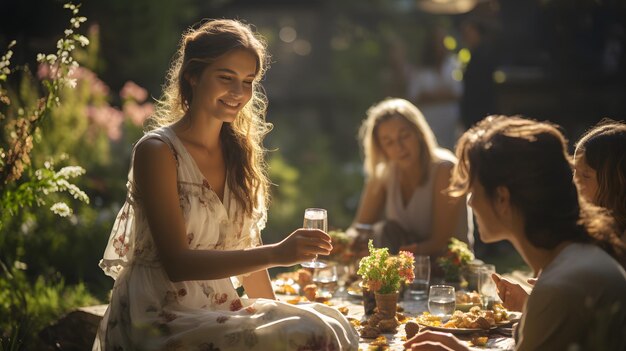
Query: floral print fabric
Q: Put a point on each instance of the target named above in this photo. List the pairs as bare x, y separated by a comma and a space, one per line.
149, 312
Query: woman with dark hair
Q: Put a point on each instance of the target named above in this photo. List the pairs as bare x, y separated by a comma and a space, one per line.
519, 177
600, 168
192, 221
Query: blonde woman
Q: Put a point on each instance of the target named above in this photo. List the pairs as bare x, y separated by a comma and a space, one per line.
403, 200
197, 195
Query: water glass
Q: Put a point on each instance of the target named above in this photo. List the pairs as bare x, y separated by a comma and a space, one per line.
441, 300
418, 290
326, 279
487, 287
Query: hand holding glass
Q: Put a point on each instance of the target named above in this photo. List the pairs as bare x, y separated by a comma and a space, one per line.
315, 218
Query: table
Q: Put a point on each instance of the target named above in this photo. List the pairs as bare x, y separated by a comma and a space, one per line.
411, 309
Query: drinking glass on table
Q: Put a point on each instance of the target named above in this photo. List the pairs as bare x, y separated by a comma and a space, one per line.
486, 286
326, 279
441, 300
418, 290
315, 218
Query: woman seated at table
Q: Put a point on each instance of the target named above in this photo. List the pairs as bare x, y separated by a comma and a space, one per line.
407, 173
600, 169
600, 173
519, 176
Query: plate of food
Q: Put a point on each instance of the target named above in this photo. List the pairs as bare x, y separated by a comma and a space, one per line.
355, 289
476, 320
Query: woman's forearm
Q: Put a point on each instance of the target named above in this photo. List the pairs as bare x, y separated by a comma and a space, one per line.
217, 264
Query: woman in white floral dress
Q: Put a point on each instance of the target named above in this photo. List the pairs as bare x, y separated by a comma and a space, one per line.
190, 228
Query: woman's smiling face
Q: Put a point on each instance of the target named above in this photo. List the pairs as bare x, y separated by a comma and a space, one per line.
225, 86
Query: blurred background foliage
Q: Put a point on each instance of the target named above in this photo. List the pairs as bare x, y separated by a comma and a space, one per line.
331, 61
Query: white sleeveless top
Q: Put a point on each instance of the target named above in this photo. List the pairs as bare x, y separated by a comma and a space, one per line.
416, 216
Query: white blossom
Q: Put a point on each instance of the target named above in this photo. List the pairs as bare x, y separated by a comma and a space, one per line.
61, 209
70, 172
82, 40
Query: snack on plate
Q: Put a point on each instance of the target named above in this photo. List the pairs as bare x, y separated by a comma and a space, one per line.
295, 300
411, 328
401, 317
304, 277
369, 332
286, 289
478, 340
474, 319
381, 340
428, 319
343, 310
355, 288
500, 314
464, 297
310, 291
388, 325
355, 322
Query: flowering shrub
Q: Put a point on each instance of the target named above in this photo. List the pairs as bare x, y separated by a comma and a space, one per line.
457, 257
383, 273
20, 121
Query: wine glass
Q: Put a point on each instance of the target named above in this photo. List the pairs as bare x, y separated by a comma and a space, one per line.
315, 218
441, 300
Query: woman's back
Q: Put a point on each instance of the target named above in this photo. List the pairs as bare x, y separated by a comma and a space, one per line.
556, 317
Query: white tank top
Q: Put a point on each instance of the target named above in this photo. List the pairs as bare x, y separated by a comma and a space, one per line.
416, 216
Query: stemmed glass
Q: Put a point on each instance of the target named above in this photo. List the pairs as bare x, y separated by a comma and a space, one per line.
315, 218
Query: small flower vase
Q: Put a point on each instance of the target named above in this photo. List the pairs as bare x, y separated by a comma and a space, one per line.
369, 301
387, 304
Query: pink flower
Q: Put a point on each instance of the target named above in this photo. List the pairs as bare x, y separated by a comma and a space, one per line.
138, 113
88, 78
43, 71
108, 118
407, 255
132, 91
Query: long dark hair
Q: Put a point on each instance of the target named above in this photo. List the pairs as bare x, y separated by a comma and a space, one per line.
530, 158
604, 148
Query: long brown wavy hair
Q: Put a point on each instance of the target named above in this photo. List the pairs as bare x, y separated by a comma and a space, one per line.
243, 148
604, 148
531, 160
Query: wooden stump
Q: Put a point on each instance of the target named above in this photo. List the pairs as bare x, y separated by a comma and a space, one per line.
76, 330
